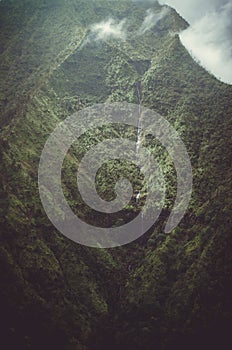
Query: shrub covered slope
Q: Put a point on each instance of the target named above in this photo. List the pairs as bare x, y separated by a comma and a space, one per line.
162, 291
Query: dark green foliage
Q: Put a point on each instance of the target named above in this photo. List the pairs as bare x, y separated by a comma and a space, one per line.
162, 291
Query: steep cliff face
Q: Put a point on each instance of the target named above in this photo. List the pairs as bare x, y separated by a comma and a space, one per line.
160, 290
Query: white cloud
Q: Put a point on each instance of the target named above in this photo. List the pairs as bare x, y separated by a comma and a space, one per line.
152, 19
209, 37
192, 10
209, 41
109, 29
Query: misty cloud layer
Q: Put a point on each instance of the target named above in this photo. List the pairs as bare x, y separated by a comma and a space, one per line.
105, 30
114, 29
109, 29
209, 37
152, 19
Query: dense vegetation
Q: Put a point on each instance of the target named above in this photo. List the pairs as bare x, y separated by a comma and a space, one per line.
162, 291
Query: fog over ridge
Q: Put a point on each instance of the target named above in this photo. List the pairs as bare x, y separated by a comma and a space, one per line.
209, 37
152, 18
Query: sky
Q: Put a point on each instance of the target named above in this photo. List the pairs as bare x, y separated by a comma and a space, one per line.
209, 37
194, 9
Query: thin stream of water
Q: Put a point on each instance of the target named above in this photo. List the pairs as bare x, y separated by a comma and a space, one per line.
139, 127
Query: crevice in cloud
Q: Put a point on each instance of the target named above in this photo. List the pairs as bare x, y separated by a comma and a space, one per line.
152, 19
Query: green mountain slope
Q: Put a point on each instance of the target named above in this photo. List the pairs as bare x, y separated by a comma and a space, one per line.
160, 291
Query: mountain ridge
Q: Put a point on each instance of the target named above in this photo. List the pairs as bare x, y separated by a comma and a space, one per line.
56, 292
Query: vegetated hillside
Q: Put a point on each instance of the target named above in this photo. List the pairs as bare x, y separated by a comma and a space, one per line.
161, 291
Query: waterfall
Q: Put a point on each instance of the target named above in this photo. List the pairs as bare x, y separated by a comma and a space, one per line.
139, 97
138, 196
139, 127
139, 119
138, 142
